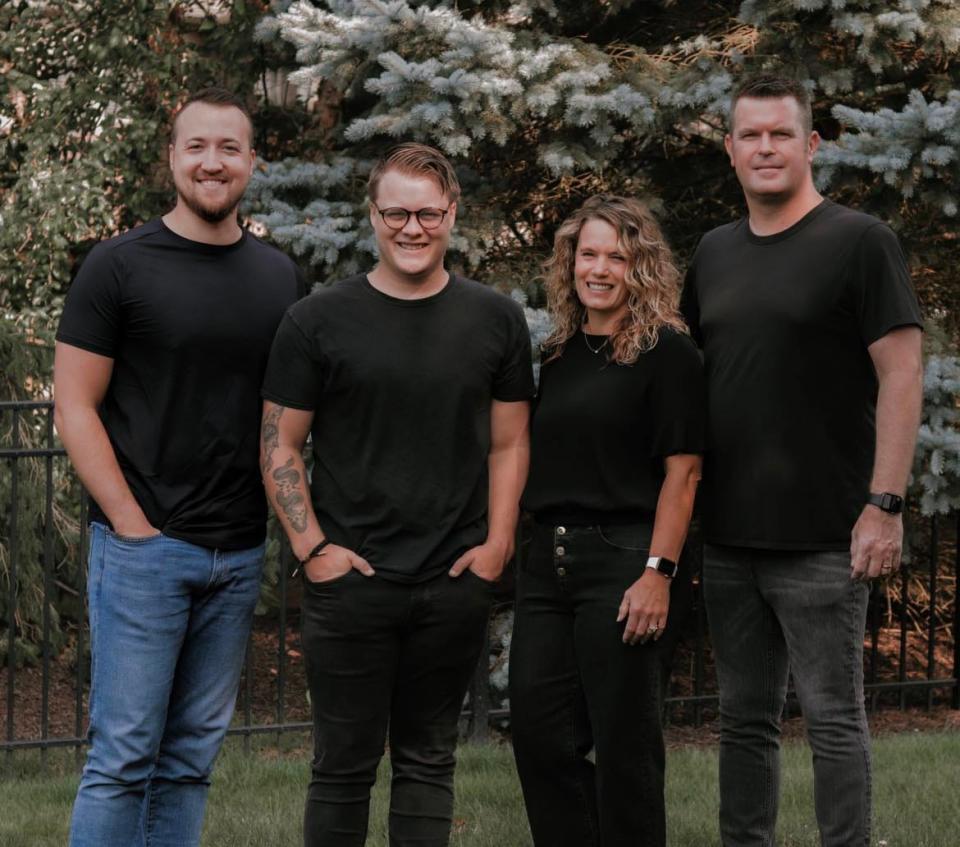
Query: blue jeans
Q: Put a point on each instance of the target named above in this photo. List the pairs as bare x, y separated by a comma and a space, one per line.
772, 613
169, 623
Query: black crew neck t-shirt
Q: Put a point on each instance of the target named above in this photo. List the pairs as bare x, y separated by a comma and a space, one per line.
189, 326
785, 321
401, 391
600, 431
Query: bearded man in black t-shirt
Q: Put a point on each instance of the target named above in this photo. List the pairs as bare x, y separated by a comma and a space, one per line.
160, 355
811, 337
413, 383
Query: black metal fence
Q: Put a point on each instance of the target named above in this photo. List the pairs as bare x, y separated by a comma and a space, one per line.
912, 655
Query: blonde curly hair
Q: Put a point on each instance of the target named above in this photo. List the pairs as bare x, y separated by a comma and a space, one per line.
652, 279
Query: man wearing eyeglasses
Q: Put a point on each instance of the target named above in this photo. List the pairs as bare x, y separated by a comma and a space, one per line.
414, 385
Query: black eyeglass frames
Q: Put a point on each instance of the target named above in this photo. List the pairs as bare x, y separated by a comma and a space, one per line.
396, 217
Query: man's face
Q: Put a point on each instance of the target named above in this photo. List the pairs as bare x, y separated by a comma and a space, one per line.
412, 252
769, 148
211, 159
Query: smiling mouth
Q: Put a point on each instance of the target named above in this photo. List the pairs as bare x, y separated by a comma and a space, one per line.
413, 247
599, 286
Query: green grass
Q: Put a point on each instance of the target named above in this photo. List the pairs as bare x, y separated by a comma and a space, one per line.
257, 799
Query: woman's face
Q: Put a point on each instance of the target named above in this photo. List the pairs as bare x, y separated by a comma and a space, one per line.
598, 272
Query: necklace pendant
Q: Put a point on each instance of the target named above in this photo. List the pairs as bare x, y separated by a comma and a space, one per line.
593, 350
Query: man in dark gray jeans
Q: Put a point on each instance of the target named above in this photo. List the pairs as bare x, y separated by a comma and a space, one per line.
811, 337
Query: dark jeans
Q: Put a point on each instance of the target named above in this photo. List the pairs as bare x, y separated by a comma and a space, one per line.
576, 687
380, 653
770, 613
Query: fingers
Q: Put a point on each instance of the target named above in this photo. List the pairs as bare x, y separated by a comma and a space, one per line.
462, 563
361, 564
642, 625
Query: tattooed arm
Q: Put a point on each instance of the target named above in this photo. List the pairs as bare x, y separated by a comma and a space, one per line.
283, 433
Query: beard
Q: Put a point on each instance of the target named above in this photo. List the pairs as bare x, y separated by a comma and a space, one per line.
210, 214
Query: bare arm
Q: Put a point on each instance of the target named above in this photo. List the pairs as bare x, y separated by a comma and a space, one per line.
283, 432
507, 464
877, 538
645, 603
80, 381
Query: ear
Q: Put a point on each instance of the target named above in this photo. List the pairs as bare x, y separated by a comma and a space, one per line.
813, 144
253, 160
728, 146
452, 213
374, 214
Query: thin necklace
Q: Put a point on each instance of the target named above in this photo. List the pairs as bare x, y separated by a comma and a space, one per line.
587, 342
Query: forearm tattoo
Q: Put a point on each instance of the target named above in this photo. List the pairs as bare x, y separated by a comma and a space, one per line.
270, 437
289, 496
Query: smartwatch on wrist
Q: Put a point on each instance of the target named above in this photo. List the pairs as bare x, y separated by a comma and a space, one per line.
663, 565
890, 503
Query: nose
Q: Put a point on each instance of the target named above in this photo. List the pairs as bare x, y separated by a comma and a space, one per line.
412, 226
211, 160
766, 143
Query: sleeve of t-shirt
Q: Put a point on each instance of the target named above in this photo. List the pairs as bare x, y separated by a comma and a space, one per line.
885, 296
294, 373
92, 314
678, 399
689, 304
514, 380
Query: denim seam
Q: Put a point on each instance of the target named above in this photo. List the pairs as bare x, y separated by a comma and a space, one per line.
851, 676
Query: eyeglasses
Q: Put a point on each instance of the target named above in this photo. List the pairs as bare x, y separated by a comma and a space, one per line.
396, 217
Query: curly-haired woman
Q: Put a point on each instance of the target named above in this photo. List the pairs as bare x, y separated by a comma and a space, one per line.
615, 440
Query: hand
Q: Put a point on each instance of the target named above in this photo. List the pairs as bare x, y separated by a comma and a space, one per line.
333, 562
875, 544
135, 526
487, 560
644, 607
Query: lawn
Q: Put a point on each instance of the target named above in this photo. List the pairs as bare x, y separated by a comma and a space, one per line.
257, 798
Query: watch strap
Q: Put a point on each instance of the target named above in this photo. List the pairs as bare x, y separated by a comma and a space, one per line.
663, 565
890, 503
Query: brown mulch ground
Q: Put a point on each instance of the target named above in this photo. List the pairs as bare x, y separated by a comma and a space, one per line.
258, 699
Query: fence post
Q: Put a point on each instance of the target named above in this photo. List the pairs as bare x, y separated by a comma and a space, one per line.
956, 617
479, 725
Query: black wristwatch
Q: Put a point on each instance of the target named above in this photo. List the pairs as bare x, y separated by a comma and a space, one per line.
663, 565
890, 503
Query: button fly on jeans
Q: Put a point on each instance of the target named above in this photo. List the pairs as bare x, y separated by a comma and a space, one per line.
561, 571
561, 530
560, 551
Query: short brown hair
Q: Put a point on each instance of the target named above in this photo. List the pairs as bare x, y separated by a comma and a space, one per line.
213, 96
768, 85
416, 160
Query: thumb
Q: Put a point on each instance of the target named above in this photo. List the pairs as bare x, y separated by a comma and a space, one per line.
461, 564
361, 564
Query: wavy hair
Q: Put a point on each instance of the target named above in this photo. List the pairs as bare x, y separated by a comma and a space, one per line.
652, 279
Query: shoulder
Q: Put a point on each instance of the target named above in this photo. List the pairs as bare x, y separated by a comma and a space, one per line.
718, 240
112, 250
676, 345
487, 297
324, 298
270, 252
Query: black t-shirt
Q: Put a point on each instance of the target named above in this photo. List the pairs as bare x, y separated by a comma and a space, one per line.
785, 321
401, 434
600, 431
189, 327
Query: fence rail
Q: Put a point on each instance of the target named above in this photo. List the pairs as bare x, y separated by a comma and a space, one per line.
912, 654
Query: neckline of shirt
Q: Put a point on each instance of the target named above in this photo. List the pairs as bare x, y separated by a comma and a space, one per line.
204, 246
791, 230
404, 302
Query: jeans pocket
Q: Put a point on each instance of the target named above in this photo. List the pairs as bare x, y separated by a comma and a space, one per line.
133, 539
321, 583
632, 538
469, 572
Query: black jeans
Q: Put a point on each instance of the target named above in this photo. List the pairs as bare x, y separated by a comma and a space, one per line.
379, 653
775, 612
576, 687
